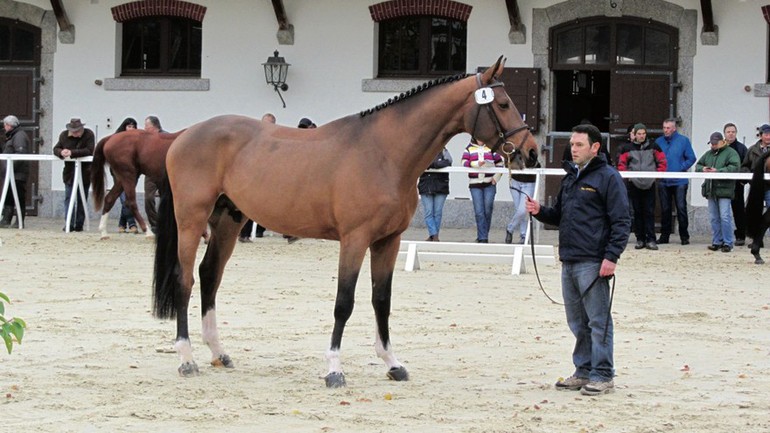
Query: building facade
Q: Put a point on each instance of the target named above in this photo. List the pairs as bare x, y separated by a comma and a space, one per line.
614, 63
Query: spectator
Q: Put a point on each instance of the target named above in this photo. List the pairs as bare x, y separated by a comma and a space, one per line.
591, 211
75, 142
126, 223
719, 192
434, 189
151, 124
641, 155
679, 158
245, 235
16, 141
306, 123
755, 155
483, 186
739, 201
522, 185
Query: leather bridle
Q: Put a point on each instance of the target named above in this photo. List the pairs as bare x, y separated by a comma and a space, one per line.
502, 135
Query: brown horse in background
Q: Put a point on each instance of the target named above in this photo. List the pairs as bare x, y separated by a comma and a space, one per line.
757, 222
352, 180
130, 154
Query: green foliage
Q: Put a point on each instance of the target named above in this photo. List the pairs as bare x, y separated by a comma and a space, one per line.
10, 329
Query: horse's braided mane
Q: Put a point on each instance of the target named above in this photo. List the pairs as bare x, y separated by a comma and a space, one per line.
413, 91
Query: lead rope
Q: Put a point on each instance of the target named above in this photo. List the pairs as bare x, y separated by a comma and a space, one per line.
537, 273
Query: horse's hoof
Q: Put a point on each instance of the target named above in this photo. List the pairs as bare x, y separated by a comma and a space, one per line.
759, 262
223, 361
399, 374
189, 369
335, 380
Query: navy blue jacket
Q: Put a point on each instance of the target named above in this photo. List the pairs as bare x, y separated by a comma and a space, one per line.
592, 213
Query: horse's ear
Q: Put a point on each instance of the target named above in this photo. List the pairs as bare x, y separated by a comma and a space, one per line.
493, 71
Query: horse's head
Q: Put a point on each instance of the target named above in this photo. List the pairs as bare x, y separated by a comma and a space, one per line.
494, 120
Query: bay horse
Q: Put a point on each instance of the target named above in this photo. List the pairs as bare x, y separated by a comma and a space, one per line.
757, 222
130, 154
353, 180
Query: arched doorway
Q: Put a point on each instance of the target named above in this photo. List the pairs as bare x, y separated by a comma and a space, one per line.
20, 89
665, 86
43, 23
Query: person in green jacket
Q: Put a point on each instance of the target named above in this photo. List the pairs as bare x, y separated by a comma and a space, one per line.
721, 158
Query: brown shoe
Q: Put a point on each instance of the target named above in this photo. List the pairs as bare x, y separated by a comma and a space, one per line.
598, 388
571, 383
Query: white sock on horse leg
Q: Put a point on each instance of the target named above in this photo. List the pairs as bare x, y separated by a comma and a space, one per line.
385, 353
211, 335
335, 365
184, 349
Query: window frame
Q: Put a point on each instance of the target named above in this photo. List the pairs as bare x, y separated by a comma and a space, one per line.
614, 25
166, 25
425, 38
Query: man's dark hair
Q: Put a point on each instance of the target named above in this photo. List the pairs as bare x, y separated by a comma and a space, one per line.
593, 133
154, 121
729, 124
671, 120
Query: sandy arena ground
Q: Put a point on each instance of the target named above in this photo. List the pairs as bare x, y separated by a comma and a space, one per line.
483, 348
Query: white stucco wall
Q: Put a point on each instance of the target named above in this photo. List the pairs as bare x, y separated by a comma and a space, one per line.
334, 51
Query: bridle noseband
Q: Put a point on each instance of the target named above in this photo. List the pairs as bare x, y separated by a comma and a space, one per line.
502, 135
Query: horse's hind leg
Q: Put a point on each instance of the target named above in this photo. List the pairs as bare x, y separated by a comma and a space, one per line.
352, 253
224, 232
109, 202
383, 257
130, 188
191, 222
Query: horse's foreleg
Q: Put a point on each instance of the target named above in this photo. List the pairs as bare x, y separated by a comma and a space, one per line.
221, 243
383, 257
351, 256
109, 202
188, 246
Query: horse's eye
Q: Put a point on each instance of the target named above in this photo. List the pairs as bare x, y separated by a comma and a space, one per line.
504, 106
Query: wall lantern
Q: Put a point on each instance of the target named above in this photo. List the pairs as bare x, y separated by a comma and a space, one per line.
276, 69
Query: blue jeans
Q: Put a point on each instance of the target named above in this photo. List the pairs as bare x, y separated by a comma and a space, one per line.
79, 215
592, 356
126, 217
677, 193
721, 216
519, 217
433, 208
483, 205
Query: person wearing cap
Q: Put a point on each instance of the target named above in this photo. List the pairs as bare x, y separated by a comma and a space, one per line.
16, 141
739, 200
306, 123
76, 141
642, 155
679, 158
756, 155
721, 158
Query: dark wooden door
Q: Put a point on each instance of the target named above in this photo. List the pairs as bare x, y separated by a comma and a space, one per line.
19, 96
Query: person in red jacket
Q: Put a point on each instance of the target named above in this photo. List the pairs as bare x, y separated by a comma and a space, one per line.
642, 155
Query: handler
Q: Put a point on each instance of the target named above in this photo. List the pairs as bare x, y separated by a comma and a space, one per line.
592, 213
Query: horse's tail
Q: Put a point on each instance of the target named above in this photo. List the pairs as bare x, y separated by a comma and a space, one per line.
97, 174
755, 202
166, 276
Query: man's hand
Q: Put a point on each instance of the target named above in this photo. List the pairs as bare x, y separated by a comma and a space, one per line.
533, 206
66, 153
607, 269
